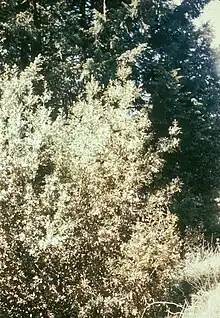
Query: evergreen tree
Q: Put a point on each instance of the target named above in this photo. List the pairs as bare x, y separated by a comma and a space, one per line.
184, 85
177, 72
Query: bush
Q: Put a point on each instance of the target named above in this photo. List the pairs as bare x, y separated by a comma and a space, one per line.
79, 235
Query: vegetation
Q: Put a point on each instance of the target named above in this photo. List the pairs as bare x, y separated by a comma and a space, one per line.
201, 270
109, 178
76, 228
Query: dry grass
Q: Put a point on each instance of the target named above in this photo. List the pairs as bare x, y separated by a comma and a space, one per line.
206, 304
202, 272
202, 269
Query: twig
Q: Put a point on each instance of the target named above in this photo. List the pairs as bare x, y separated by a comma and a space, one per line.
161, 303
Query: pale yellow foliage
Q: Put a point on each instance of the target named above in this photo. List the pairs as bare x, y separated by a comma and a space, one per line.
81, 232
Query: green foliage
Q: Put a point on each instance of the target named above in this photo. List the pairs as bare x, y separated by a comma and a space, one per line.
78, 234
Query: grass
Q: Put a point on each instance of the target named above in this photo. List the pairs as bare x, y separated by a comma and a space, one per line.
201, 271
205, 304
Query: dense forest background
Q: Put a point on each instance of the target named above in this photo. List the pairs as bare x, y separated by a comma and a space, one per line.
109, 161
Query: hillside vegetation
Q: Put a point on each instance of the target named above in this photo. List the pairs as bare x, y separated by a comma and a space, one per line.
109, 160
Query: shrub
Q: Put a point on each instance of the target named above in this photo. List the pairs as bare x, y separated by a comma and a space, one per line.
83, 232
